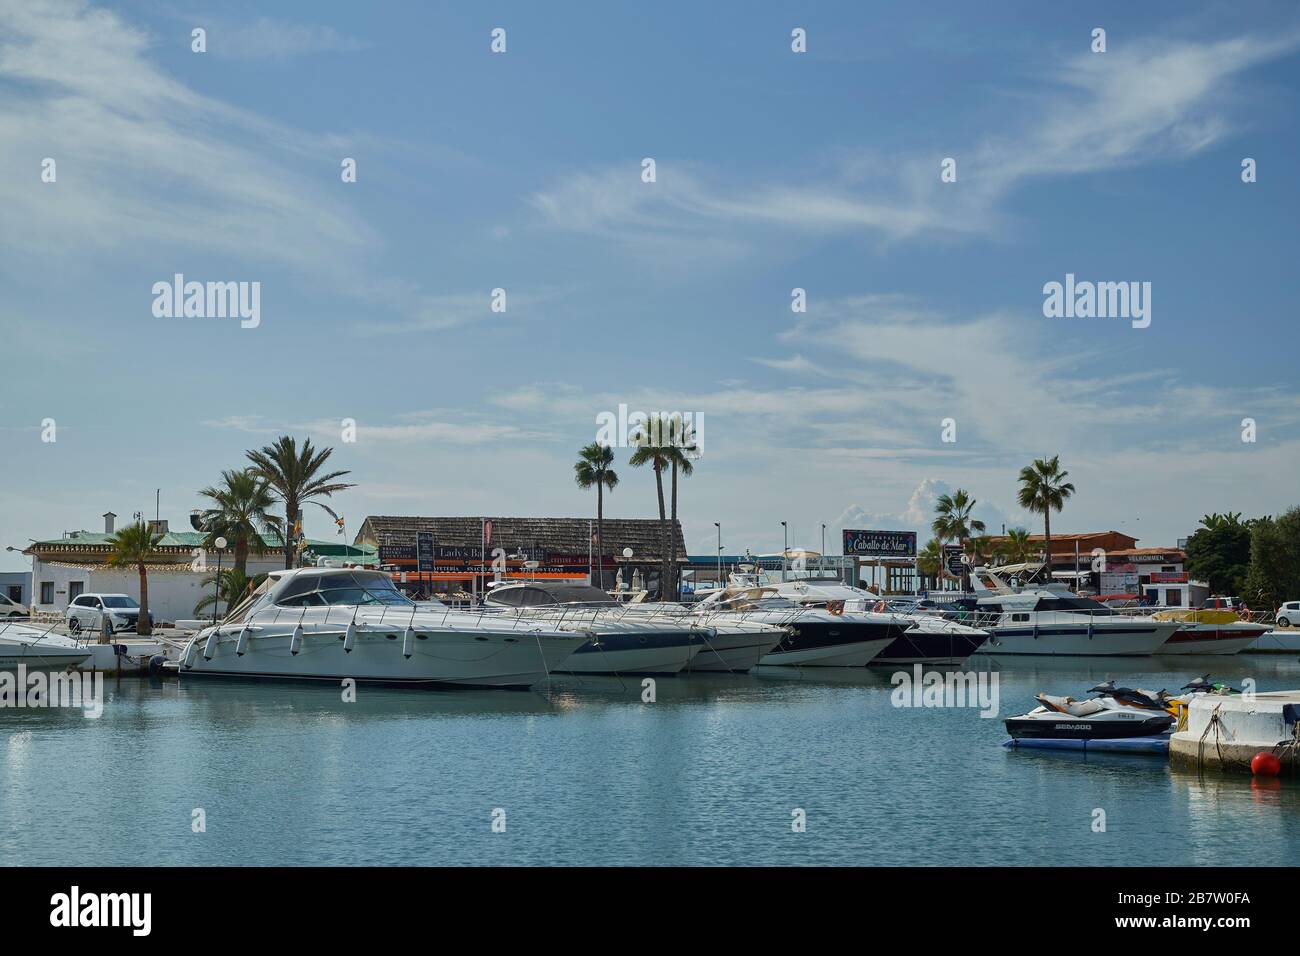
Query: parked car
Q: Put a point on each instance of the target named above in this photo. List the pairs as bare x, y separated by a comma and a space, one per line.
1288, 614
11, 608
1221, 603
86, 612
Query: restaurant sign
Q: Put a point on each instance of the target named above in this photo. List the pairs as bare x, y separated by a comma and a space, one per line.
880, 544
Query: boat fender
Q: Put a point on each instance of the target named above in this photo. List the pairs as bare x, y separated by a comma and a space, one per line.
241, 646
210, 646
156, 665
350, 639
408, 642
190, 650
295, 642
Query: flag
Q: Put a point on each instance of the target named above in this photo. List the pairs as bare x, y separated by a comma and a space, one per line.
487, 532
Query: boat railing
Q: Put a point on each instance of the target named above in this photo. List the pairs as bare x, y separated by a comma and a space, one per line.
396, 616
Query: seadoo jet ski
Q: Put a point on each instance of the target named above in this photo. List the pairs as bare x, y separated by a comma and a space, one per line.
1115, 713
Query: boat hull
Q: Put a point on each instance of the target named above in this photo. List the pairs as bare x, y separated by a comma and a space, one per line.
40, 658
844, 654
1078, 640
438, 658
733, 653
1212, 639
939, 649
637, 653
1060, 727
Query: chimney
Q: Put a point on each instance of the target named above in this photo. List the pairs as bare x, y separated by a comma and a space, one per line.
108, 522
158, 527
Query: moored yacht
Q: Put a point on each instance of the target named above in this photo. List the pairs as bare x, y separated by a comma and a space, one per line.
1049, 620
929, 639
331, 624
620, 641
1209, 631
814, 637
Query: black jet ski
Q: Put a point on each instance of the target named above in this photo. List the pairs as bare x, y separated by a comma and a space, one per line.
1114, 713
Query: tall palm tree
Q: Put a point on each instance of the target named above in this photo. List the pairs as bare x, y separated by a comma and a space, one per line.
1043, 489
293, 476
593, 469
1018, 548
929, 559
651, 451
682, 460
953, 521
132, 545
241, 509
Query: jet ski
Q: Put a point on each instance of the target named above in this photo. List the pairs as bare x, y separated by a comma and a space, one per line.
1114, 713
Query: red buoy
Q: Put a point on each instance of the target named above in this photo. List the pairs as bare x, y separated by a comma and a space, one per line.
1265, 764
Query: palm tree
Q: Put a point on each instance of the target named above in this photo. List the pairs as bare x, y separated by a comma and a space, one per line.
292, 475
1043, 489
953, 521
235, 584
593, 469
682, 461
132, 545
1018, 548
1230, 519
659, 456
241, 509
928, 561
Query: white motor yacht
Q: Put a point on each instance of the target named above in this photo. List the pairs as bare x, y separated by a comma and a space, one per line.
929, 639
622, 641
814, 637
330, 624
1049, 620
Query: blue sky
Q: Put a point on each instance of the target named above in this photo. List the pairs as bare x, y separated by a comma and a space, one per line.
775, 170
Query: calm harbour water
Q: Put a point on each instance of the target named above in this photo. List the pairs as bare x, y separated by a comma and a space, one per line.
587, 774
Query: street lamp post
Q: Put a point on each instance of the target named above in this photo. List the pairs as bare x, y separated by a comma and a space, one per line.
785, 548
216, 597
718, 525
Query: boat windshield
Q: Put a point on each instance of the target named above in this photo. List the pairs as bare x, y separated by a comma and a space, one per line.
342, 587
1073, 604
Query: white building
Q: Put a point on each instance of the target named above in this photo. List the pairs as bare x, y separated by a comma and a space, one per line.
77, 563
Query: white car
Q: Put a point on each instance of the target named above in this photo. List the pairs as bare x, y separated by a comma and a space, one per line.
1288, 614
86, 612
11, 608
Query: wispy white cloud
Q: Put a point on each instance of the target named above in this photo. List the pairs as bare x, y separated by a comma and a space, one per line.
1149, 100
151, 170
142, 159
276, 39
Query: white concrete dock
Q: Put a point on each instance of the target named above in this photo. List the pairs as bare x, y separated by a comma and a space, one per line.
1225, 733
